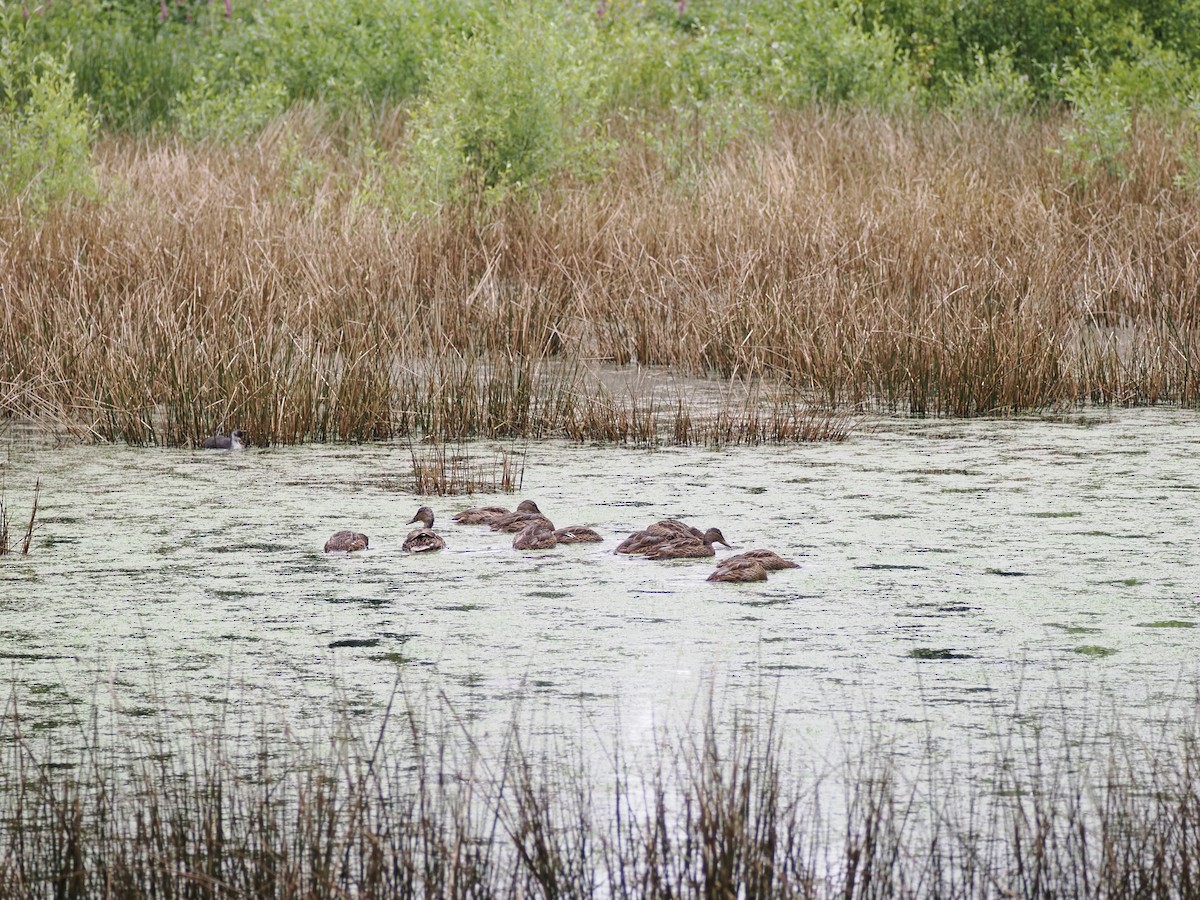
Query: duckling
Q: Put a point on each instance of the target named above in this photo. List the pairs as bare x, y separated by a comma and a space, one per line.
346, 541
577, 534
424, 538
769, 559
739, 570
234, 441
535, 536
689, 547
486, 515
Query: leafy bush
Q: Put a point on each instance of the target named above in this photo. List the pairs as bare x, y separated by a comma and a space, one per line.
345, 51
514, 101
1098, 134
45, 132
996, 88
818, 51
127, 61
229, 108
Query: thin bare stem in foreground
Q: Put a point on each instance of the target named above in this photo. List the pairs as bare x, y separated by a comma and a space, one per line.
420, 809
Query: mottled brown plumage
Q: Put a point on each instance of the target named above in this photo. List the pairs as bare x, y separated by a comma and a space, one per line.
486, 515
688, 547
518, 521
346, 542
535, 536
423, 539
658, 533
770, 560
577, 534
739, 570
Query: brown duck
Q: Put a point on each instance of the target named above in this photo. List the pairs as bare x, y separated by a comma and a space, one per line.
525, 514
423, 539
535, 536
658, 533
770, 560
689, 547
346, 542
739, 570
577, 534
486, 515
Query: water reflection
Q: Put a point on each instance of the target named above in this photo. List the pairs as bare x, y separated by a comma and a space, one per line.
946, 569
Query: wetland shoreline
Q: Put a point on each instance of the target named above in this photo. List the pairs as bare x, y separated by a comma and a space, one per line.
849, 261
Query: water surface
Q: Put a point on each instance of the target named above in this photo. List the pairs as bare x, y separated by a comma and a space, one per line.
952, 574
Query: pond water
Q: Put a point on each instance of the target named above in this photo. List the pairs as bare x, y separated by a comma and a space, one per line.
952, 574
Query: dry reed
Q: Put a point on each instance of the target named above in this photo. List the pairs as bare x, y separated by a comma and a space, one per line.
440, 472
860, 261
419, 809
5, 529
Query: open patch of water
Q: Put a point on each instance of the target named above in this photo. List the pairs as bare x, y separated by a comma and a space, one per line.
951, 572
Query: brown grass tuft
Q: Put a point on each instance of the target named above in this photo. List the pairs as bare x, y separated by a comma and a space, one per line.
442, 472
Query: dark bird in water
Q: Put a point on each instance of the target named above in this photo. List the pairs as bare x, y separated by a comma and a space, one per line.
537, 535
525, 514
577, 534
753, 565
486, 515
769, 559
739, 570
658, 533
234, 441
424, 538
689, 547
346, 541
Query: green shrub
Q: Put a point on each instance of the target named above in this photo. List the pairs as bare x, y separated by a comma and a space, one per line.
228, 108
45, 132
996, 88
1151, 75
1188, 154
1097, 137
346, 51
817, 50
125, 60
514, 102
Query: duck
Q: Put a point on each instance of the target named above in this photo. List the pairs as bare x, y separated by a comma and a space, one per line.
525, 514
346, 541
486, 515
769, 559
577, 534
658, 533
236, 440
735, 569
535, 536
689, 547
423, 539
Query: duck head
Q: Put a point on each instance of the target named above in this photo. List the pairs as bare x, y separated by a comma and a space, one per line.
714, 536
425, 516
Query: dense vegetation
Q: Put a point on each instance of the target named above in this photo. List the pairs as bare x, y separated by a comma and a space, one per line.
222, 212
504, 95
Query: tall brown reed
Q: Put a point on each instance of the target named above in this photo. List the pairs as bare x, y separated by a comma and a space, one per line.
917, 263
449, 472
5, 528
421, 809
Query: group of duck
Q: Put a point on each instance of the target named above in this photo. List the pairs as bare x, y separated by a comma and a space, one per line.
668, 539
